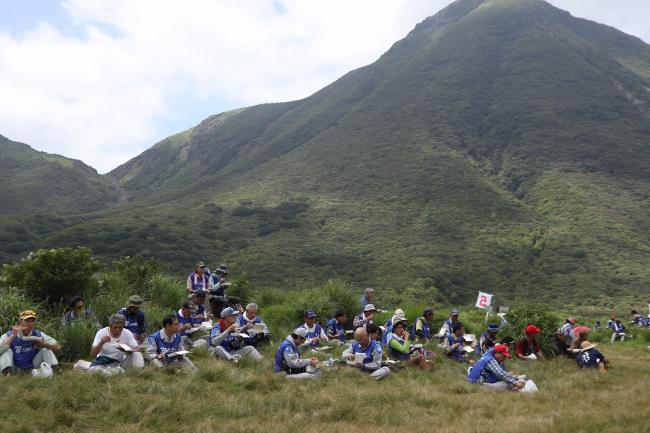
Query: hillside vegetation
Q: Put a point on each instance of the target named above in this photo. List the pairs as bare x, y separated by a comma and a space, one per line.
503, 144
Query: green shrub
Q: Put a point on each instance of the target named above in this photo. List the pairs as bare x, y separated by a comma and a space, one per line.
165, 292
138, 271
240, 288
76, 340
12, 302
541, 317
53, 275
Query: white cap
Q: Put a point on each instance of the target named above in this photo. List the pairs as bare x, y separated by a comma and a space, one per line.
300, 332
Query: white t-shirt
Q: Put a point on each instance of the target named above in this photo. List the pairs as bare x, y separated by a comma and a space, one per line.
110, 349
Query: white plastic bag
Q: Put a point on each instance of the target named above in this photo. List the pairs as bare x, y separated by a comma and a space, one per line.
43, 371
529, 387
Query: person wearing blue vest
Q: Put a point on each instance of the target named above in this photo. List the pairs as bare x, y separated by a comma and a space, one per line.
252, 324
225, 344
589, 357
447, 325
618, 331
288, 361
199, 280
186, 322
335, 327
163, 346
400, 348
453, 344
421, 328
135, 319
197, 304
489, 335
388, 326
372, 355
315, 333
491, 372
24, 347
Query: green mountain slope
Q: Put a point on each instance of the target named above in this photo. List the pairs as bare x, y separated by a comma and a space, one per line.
503, 144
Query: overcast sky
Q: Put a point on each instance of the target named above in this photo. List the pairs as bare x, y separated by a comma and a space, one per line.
101, 80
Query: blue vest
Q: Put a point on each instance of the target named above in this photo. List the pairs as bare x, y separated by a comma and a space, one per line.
426, 329
226, 342
388, 328
163, 346
199, 281
456, 354
475, 373
396, 353
368, 351
183, 320
280, 362
334, 327
24, 351
589, 359
484, 337
242, 321
315, 333
134, 322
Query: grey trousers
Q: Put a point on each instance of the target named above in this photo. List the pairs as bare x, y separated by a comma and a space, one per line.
132, 361
245, 351
43, 355
380, 373
313, 375
499, 386
179, 361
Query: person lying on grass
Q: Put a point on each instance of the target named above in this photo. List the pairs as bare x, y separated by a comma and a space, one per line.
24, 347
371, 355
589, 357
491, 372
165, 347
288, 361
225, 344
115, 348
528, 347
400, 348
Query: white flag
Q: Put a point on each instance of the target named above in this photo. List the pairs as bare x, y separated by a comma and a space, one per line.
484, 300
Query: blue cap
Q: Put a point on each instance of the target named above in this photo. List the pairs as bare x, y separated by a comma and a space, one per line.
228, 312
310, 314
493, 327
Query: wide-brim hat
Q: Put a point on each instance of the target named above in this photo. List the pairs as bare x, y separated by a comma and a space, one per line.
369, 307
586, 345
199, 265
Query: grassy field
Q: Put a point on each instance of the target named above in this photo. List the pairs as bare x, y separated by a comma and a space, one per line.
250, 398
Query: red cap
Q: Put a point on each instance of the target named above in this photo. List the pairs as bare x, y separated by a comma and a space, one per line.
532, 329
502, 349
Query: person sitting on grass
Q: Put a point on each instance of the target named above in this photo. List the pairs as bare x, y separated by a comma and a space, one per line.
453, 344
365, 317
421, 328
115, 348
564, 336
448, 325
399, 347
372, 355
197, 306
288, 361
187, 322
135, 319
24, 347
491, 372
77, 311
335, 327
374, 332
589, 357
315, 333
388, 326
225, 345
489, 335
618, 331
252, 324
527, 347
163, 346
199, 280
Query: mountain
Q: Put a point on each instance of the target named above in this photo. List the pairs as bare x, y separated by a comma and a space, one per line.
503, 145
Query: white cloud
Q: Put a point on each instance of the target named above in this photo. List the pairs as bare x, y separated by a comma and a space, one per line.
101, 97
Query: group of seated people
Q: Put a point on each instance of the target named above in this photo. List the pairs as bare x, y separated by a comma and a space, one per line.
239, 332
